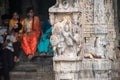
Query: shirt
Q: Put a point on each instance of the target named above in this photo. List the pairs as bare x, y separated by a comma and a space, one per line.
3, 30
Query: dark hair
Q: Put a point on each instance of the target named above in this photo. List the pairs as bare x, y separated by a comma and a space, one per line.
14, 12
5, 16
28, 9
18, 28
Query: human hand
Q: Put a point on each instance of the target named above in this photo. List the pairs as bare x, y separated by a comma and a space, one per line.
16, 59
30, 56
15, 26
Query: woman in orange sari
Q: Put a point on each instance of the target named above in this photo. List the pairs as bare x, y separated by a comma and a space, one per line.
31, 34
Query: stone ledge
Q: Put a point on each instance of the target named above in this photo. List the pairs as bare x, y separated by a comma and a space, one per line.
56, 10
96, 79
74, 64
67, 59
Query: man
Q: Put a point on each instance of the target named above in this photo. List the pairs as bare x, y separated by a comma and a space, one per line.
6, 48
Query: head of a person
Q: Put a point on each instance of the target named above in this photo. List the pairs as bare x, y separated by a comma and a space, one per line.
15, 15
5, 19
30, 12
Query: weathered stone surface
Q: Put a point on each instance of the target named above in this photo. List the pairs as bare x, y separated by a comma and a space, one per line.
86, 30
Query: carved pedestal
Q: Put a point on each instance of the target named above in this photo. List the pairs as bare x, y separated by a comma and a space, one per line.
67, 68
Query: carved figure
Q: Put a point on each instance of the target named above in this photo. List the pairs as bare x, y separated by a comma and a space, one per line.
101, 44
59, 26
67, 35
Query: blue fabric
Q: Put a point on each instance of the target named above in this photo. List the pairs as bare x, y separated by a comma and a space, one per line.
45, 26
44, 43
43, 46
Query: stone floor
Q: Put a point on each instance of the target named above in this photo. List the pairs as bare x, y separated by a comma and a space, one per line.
40, 68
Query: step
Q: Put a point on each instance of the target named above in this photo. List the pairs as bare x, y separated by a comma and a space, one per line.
40, 68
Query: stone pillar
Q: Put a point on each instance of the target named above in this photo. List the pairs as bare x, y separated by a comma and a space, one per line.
83, 37
65, 17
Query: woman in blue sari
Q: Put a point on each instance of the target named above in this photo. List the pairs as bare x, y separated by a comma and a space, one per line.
44, 46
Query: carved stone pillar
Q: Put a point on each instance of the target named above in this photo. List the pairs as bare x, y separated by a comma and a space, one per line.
66, 39
83, 29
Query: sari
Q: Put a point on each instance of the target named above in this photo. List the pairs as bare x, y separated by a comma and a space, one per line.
30, 38
44, 45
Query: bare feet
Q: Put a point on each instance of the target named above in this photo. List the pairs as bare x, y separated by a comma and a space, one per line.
42, 54
16, 59
30, 56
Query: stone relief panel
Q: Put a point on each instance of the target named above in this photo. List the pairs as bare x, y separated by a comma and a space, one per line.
99, 12
96, 42
109, 11
88, 11
66, 37
87, 33
74, 32
65, 5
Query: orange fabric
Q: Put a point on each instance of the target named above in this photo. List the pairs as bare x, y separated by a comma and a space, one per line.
29, 44
37, 26
29, 41
12, 23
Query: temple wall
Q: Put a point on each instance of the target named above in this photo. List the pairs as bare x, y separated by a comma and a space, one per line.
84, 38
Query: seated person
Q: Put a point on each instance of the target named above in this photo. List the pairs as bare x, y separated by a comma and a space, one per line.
32, 31
15, 25
44, 43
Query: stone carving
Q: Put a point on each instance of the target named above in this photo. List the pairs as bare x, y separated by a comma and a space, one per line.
52, 17
99, 11
66, 4
96, 45
89, 47
68, 37
101, 44
59, 26
109, 12
83, 28
58, 44
89, 11
111, 54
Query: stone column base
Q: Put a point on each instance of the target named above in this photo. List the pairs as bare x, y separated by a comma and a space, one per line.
86, 69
